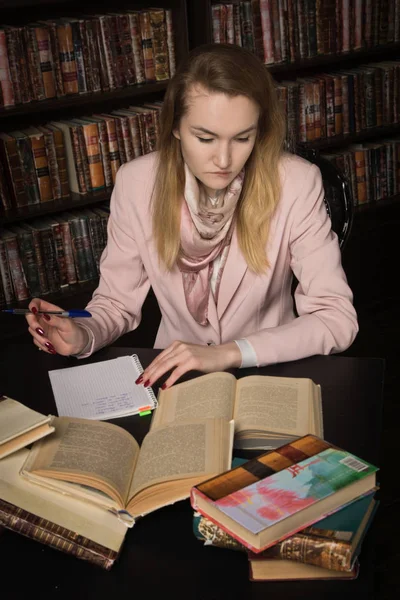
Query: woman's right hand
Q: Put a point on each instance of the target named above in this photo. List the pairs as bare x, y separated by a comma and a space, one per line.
55, 335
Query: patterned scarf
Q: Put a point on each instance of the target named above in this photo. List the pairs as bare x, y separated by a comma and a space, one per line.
206, 233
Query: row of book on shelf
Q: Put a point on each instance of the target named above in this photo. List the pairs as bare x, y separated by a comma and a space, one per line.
83, 155
79, 155
341, 103
87, 53
48, 254
280, 31
299, 510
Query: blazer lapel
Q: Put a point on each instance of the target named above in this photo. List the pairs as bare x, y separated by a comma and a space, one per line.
234, 271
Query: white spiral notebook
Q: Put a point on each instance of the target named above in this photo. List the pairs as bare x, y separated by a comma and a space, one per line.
102, 390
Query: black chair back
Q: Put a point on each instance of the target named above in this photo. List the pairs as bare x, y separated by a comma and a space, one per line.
338, 198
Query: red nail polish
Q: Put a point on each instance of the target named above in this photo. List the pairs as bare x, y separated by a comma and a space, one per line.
34, 310
47, 317
40, 331
139, 379
147, 383
164, 386
50, 347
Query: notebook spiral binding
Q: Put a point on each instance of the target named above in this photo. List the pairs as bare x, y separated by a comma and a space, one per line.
149, 390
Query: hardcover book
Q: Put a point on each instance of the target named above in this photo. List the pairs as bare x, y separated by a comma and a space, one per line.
279, 493
270, 569
20, 426
268, 411
331, 543
56, 520
102, 464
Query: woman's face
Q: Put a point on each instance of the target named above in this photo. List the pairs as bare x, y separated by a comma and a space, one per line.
217, 135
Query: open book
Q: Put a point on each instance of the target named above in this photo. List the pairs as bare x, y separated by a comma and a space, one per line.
102, 463
71, 526
20, 426
268, 411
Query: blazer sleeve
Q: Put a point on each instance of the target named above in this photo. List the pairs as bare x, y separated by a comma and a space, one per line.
117, 302
327, 321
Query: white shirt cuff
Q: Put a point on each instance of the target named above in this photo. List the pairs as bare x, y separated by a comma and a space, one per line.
249, 356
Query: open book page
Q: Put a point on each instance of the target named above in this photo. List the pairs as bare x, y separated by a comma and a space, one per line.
207, 396
274, 404
90, 453
83, 518
183, 451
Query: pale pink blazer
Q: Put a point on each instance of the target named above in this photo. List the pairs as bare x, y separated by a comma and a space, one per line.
256, 307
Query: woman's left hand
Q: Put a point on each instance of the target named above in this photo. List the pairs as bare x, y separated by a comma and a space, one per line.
181, 357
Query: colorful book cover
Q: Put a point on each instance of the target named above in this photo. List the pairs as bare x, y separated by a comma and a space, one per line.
270, 500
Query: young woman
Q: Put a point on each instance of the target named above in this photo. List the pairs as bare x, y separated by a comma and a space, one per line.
217, 221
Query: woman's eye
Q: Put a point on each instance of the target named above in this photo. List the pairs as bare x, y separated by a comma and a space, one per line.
242, 139
205, 140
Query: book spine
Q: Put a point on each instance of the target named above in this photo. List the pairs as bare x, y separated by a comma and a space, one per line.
12, 46
236, 25
50, 258
134, 23
7, 90
55, 536
60, 254
34, 67
27, 254
46, 61
100, 54
79, 57
41, 167
16, 270
13, 171
106, 41
170, 42
5, 196
127, 48
94, 57
319, 551
67, 59
61, 161
68, 252
55, 52
78, 159
84, 261
160, 48
105, 153
44, 286
118, 58
5, 275
147, 46
96, 238
52, 164
115, 157
28, 169
91, 135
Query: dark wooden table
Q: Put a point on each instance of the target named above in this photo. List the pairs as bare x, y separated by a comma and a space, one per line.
160, 555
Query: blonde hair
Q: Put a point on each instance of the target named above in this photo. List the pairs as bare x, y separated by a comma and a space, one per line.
234, 71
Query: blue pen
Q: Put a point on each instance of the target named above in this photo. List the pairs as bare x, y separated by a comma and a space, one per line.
73, 313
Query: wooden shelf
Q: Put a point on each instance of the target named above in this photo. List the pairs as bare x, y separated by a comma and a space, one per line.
361, 136
72, 202
372, 208
378, 52
78, 100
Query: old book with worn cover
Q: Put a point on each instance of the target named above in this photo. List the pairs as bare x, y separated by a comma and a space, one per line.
279, 493
268, 411
57, 520
102, 464
331, 543
274, 569
20, 426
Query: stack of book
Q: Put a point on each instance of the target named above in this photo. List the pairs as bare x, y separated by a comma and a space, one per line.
299, 512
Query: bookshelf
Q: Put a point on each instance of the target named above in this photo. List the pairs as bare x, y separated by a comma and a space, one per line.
20, 13
373, 241
200, 19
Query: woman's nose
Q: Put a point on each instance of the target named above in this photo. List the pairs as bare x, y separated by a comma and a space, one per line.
222, 158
